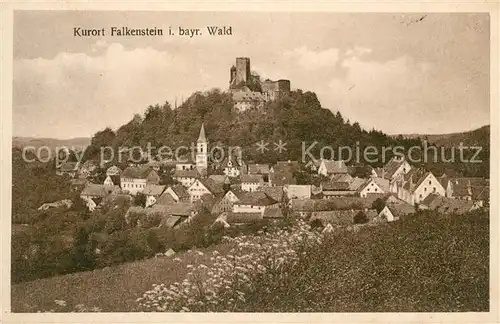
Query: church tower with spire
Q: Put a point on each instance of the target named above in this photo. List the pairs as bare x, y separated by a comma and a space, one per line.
202, 152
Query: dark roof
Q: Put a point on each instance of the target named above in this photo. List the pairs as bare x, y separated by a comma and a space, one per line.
251, 178
68, 166
141, 172
213, 186
165, 199
115, 179
428, 201
380, 182
153, 190
186, 173
177, 209
335, 166
273, 212
481, 193
335, 186
401, 209
275, 193
467, 186
356, 183
446, 205
256, 198
99, 190
180, 191
170, 221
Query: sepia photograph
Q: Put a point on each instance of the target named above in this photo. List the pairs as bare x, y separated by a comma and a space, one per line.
236, 161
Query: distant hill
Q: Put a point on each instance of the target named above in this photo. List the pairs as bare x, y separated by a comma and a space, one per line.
77, 142
480, 136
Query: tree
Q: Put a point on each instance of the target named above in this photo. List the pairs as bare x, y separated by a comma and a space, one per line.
378, 204
82, 254
140, 199
360, 218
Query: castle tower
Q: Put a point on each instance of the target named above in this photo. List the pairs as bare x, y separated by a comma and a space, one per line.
202, 152
242, 70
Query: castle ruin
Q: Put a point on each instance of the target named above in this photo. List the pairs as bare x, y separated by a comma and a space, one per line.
249, 91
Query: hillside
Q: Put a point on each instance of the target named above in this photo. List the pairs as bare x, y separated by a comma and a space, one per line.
296, 118
478, 136
426, 263
77, 142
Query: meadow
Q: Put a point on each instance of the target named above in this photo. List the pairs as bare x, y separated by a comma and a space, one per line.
426, 263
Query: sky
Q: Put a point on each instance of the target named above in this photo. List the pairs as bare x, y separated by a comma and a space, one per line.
395, 72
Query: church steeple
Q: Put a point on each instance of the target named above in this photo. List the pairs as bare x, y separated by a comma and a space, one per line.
202, 152
202, 138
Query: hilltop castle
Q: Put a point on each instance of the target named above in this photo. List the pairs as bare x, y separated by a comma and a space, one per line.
249, 91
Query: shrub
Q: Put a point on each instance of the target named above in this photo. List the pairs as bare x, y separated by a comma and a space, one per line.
360, 218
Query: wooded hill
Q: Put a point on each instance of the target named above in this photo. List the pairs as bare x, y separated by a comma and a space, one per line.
294, 119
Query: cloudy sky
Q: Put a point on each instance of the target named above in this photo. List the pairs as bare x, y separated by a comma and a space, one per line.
394, 72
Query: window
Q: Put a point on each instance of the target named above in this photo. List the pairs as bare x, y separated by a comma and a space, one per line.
434, 189
375, 189
430, 182
425, 189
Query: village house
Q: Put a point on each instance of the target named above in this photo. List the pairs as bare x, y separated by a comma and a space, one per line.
392, 212
396, 167
374, 185
252, 182
233, 166
185, 162
298, 191
445, 205
93, 190
68, 168
416, 185
330, 168
134, 179
474, 189
252, 202
276, 192
177, 214
152, 193
204, 187
178, 193
113, 180
186, 177
336, 189
229, 198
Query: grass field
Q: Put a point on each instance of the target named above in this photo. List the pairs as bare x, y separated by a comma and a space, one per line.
113, 289
427, 263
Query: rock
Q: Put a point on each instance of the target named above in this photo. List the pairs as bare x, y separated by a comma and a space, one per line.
169, 253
